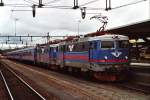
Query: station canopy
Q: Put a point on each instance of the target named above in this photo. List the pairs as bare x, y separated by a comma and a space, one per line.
136, 30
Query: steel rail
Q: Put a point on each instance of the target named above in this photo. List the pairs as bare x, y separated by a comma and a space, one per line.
7, 86
128, 86
26, 84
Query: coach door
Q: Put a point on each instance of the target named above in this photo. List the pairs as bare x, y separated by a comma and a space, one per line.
55, 49
92, 50
35, 55
61, 55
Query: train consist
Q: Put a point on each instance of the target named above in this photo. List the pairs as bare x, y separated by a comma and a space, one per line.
104, 57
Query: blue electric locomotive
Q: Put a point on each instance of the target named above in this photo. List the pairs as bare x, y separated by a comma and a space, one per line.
105, 56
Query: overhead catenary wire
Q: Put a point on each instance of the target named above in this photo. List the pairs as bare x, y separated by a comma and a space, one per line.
36, 3
57, 7
52, 1
31, 1
92, 8
132, 3
108, 7
90, 2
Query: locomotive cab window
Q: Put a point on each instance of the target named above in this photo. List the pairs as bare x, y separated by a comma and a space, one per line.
123, 44
39, 50
107, 44
62, 48
45, 50
93, 45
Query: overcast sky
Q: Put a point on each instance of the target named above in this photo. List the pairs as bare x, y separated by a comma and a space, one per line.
66, 21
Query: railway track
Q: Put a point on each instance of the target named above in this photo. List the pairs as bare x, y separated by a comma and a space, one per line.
3, 90
91, 90
135, 87
15, 88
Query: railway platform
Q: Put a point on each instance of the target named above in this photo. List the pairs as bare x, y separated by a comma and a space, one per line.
140, 72
146, 65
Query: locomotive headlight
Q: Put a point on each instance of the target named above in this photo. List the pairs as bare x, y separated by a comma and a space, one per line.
126, 57
105, 57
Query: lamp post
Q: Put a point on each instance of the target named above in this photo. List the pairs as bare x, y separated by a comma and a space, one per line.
16, 19
79, 21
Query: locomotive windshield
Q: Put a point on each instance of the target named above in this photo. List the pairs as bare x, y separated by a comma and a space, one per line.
123, 44
107, 44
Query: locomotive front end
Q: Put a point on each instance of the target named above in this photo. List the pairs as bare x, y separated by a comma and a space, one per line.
112, 58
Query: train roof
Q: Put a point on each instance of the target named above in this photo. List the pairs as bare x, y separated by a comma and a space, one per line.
53, 45
23, 49
107, 37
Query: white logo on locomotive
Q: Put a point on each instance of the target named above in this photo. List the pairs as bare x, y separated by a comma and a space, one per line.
116, 53
71, 47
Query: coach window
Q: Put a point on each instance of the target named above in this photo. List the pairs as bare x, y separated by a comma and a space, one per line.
107, 44
50, 49
91, 45
63, 48
80, 47
66, 47
46, 50
39, 50
95, 45
56, 49
60, 48
74, 48
86, 46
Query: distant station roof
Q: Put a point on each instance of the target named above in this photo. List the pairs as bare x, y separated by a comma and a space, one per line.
136, 30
